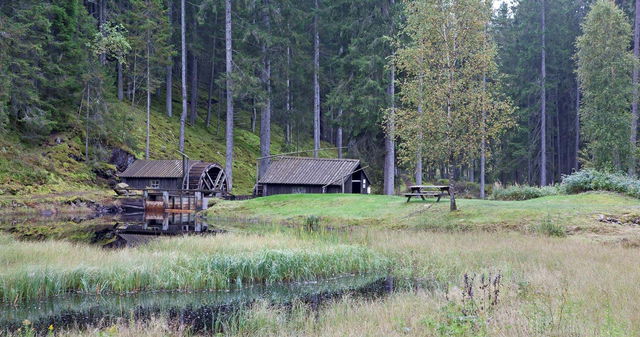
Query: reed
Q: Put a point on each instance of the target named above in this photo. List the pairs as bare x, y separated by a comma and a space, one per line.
39, 269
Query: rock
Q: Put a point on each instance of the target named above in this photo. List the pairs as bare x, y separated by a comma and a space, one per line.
121, 188
121, 159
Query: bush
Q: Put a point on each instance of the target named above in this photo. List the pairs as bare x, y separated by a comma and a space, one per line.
592, 180
549, 228
523, 192
465, 189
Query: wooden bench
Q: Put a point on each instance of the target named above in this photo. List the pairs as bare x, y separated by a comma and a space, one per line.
423, 191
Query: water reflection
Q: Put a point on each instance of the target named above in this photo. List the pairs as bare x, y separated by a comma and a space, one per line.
137, 228
128, 229
202, 311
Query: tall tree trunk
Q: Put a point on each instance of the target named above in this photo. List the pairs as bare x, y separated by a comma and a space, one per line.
419, 151
169, 80
576, 163
134, 79
229, 65
194, 88
483, 143
86, 139
543, 102
339, 134
183, 39
120, 86
558, 174
146, 149
254, 115
389, 168
389, 142
634, 105
288, 98
265, 117
211, 77
418, 172
316, 83
102, 20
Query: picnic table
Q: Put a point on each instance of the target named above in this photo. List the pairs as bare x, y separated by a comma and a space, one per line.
423, 191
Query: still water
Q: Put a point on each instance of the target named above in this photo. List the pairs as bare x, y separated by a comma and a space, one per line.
200, 311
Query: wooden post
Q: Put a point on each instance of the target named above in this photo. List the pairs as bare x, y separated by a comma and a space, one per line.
165, 222
198, 205
165, 199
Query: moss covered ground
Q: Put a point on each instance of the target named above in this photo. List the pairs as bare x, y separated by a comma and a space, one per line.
57, 165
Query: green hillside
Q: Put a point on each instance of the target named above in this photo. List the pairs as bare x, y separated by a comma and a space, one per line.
58, 165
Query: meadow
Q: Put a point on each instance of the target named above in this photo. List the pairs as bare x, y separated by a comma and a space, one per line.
509, 279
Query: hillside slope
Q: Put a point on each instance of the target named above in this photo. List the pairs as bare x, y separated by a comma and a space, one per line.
58, 164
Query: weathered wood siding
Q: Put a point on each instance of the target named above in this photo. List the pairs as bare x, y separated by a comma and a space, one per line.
165, 183
273, 189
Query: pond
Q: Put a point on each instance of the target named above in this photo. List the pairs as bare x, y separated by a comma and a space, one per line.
201, 311
128, 229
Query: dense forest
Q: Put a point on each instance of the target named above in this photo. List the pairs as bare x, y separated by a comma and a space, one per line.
551, 85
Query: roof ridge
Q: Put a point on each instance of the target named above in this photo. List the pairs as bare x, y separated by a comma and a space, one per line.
311, 158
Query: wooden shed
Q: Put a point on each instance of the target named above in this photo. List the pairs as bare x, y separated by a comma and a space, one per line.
294, 175
167, 175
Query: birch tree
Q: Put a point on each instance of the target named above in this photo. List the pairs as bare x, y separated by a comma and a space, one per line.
443, 66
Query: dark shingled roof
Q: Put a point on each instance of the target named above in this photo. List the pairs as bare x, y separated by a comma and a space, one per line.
156, 169
308, 171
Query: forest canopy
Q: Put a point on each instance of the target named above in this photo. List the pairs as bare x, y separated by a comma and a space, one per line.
535, 89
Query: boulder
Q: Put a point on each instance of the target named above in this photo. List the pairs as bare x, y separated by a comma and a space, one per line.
121, 188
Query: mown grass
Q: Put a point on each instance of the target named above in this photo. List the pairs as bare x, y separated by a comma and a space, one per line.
30, 270
580, 210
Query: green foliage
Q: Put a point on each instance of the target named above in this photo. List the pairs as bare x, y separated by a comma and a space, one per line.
516, 28
443, 119
523, 192
549, 228
44, 59
605, 64
592, 180
112, 41
453, 321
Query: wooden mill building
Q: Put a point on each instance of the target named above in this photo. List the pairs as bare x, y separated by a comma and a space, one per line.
170, 175
294, 175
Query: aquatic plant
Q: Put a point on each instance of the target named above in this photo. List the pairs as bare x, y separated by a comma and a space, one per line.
52, 268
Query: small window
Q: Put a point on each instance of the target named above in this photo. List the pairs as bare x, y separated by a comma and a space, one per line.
155, 184
298, 190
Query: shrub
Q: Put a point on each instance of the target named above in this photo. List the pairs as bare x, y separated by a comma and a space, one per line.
523, 192
549, 228
592, 180
465, 189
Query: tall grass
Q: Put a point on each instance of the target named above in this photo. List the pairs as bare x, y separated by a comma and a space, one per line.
32, 270
551, 287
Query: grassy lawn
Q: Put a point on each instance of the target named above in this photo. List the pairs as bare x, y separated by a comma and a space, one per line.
579, 212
